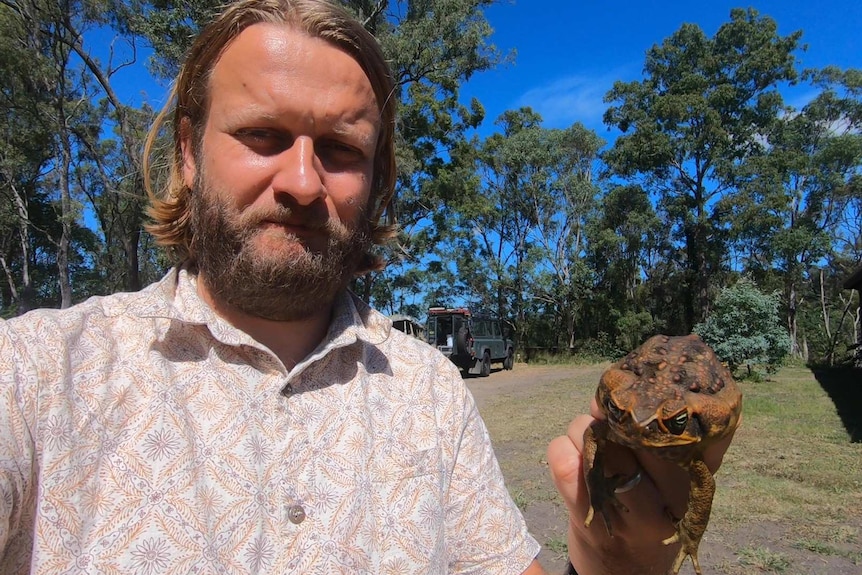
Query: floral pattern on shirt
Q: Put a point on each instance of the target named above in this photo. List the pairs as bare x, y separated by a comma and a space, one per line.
140, 433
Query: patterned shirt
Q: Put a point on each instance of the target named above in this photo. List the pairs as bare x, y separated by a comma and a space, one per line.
140, 433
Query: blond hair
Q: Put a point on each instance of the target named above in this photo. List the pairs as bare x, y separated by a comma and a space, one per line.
189, 105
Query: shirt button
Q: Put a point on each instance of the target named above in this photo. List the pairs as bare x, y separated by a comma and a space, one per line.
296, 514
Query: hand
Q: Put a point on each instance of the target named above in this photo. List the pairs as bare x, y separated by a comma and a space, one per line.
636, 546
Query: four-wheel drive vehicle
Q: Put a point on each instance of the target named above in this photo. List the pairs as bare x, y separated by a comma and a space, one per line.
409, 325
471, 341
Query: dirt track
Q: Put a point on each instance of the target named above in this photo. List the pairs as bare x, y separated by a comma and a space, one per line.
521, 381
544, 516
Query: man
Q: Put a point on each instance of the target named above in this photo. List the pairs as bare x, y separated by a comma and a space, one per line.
247, 414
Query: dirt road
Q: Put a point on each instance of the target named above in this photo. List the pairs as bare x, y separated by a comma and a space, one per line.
523, 465
522, 381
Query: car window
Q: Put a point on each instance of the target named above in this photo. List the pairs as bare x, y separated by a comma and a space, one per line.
480, 328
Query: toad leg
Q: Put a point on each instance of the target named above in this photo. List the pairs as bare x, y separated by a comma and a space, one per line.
691, 528
600, 488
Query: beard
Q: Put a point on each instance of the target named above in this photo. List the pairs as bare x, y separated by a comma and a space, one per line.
291, 282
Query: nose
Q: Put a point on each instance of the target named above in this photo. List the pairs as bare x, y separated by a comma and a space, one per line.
298, 173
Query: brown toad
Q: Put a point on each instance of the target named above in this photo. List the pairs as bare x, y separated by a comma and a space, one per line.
674, 397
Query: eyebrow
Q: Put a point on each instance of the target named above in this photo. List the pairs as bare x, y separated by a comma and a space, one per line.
365, 137
341, 127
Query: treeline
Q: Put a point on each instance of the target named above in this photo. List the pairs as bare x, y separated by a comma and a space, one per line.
581, 244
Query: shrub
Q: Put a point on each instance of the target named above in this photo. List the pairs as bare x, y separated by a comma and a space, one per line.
744, 328
634, 328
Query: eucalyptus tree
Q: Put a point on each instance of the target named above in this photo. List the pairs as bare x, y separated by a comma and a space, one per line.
520, 230
110, 180
27, 171
797, 208
561, 203
24, 154
81, 109
627, 245
491, 239
697, 115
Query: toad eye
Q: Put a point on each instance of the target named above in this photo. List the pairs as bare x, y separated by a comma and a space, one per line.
615, 412
676, 424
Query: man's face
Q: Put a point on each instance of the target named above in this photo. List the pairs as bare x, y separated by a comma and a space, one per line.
281, 182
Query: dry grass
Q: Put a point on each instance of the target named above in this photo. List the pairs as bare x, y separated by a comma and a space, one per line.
789, 496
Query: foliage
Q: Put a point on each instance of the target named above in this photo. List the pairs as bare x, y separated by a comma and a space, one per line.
744, 328
635, 328
625, 241
690, 123
792, 205
598, 348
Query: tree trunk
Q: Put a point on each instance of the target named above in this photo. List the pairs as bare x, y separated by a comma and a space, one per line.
133, 275
66, 214
825, 312
25, 295
858, 331
792, 326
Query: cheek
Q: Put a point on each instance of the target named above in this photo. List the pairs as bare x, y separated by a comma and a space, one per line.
349, 197
236, 179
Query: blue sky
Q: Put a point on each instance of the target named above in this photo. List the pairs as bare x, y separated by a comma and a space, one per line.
570, 52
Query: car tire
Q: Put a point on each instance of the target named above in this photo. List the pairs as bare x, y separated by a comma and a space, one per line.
461, 346
509, 362
486, 365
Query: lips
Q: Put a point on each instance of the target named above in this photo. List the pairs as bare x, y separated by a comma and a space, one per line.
294, 226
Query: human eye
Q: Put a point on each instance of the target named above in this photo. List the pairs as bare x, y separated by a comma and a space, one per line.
264, 141
339, 153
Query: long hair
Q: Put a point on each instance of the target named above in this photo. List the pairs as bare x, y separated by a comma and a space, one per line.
188, 107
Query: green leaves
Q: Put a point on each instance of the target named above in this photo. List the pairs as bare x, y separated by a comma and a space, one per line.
696, 117
745, 328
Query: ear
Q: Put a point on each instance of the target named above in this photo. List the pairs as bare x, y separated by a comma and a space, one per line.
187, 147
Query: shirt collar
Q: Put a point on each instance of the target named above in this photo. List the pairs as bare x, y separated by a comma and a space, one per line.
353, 319
176, 297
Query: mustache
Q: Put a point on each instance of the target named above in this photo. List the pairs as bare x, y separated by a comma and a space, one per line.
300, 216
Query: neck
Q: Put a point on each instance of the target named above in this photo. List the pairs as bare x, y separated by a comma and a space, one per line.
291, 341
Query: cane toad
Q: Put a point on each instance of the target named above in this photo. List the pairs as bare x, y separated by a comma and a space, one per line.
674, 397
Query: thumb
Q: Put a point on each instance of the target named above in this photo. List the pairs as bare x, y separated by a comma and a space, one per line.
565, 462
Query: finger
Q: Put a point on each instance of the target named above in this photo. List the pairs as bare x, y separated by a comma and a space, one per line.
714, 455
595, 411
646, 503
576, 429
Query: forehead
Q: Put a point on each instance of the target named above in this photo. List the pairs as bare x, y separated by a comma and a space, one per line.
270, 66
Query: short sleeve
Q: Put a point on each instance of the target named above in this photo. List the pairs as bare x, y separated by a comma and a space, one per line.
17, 446
486, 530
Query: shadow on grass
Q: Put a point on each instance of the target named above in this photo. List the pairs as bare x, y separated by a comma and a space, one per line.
844, 386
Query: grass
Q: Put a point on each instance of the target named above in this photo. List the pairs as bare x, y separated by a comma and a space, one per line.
557, 546
793, 467
764, 560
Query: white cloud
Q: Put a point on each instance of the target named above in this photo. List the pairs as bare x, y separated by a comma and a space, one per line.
567, 100
797, 97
